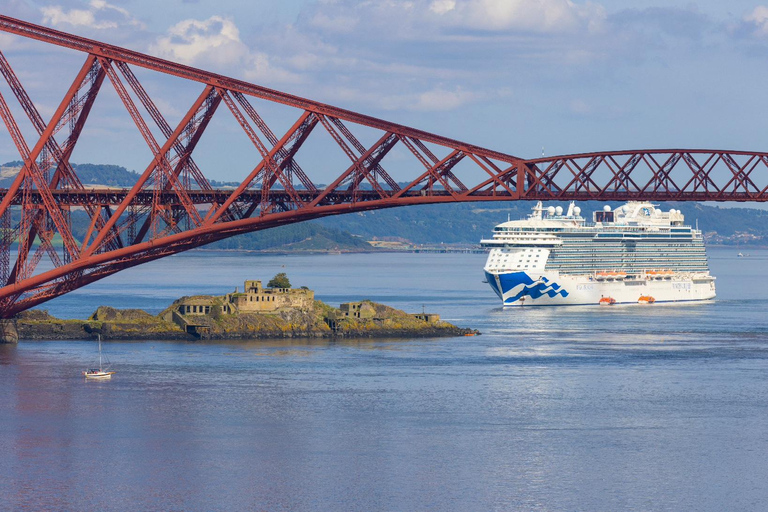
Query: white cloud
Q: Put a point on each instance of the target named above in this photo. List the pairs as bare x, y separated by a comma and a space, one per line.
385, 54
55, 15
216, 43
565, 60
100, 15
759, 18
339, 23
442, 6
436, 99
316, 56
430, 55
11, 42
192, 41
260, 70
441, 99
425, 18
524, 15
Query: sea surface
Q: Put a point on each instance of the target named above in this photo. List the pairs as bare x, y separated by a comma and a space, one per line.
660, 407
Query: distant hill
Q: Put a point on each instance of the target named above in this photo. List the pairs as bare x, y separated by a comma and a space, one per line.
89, 174
301, 237
92, 174
463, 223
108, 175
470, 222
444, 223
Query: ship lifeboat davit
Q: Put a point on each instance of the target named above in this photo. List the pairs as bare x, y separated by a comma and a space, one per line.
646, 299
601, 276
659, 274
607, 301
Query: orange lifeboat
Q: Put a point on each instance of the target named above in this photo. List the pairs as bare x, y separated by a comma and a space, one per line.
610, 275
659, 274
607, 301
646, 299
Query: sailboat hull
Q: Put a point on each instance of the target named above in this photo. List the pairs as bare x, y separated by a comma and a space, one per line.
97, 375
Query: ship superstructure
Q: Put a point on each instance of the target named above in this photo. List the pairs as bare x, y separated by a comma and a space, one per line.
636, 253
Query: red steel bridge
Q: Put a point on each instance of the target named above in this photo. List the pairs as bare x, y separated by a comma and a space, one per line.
173, 207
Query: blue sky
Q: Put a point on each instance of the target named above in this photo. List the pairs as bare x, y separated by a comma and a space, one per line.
511, 75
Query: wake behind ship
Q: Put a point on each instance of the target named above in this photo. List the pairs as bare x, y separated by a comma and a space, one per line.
634, 254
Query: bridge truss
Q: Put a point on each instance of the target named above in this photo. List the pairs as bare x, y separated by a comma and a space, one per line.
173, 207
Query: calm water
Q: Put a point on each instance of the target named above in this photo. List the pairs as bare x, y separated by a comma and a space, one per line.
624, 408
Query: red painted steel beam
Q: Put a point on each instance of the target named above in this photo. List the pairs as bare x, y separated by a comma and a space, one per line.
108, 51
219, 212
212, 233
656, 151
32, 171
187, 240
159, 153
272, 138
35, 152
181, 217
148, 172
64, 174
273, 172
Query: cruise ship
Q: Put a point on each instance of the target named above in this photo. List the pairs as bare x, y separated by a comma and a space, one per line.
635, 254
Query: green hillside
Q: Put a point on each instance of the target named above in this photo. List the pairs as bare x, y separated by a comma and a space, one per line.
463, 223
469, 222
89, 174
304, 236
93, 174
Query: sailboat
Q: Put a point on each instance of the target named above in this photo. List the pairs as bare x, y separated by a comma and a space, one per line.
100, 372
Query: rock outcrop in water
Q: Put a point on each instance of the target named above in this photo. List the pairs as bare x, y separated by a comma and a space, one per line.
355, 320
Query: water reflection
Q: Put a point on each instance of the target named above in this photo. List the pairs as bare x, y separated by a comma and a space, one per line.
7, 353
551, 409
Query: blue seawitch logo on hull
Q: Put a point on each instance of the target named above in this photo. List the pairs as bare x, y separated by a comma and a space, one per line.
516, 285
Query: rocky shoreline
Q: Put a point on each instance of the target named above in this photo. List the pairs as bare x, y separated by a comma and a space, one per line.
135, 324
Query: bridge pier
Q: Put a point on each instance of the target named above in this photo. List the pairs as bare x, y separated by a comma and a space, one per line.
8, 332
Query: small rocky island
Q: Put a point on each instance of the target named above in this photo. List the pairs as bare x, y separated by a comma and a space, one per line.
275, 311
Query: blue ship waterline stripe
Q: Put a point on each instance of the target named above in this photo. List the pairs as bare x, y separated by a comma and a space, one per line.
504, 284
491, 279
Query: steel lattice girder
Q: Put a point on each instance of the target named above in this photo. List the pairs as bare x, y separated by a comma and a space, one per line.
173, 208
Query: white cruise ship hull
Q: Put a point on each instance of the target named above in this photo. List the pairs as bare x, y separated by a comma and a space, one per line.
518, 288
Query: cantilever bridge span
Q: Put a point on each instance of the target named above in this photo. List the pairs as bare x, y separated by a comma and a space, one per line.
173, 207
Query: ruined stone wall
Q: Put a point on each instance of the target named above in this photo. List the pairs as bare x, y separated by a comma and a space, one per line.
271, 300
